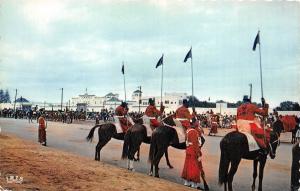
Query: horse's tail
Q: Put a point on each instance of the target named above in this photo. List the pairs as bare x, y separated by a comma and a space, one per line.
153, 148
224, 164
91, 134
126, 144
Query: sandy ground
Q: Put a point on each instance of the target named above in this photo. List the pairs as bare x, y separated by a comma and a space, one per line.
45, 168
71, 138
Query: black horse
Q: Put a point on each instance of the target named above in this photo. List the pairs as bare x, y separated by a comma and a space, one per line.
163, 137
106, 132
134, 137
234, 147
295, 173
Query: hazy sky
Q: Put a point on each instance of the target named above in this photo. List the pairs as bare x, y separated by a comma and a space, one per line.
46, 45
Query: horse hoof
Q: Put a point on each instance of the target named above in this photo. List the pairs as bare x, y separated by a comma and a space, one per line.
150, 174
170, 166
156, 176
206, 188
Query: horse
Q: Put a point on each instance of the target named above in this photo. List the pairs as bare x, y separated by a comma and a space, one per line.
134, 137
163, 137
234, 147
295, 172
106, 131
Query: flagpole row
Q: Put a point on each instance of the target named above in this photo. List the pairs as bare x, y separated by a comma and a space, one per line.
161, 87
261, 82
123, 71
193, 98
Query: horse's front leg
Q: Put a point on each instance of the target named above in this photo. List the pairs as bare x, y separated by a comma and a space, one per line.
167, 159
255, 162
261, 173
151, 169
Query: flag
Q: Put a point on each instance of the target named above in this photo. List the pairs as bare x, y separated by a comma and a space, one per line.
160, 61
188, 55
123, 69
256, 41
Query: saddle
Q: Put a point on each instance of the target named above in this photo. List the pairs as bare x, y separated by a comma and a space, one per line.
146, 123
180, 130
118, 125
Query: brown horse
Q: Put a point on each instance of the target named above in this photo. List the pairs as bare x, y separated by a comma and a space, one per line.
295, 173
134, 137
163, 137
234, 147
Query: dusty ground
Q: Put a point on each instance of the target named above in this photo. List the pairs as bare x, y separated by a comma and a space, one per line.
45, 168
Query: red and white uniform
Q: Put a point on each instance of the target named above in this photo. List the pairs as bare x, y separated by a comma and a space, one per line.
192, 166
153, 113
184, 116
125, 123
247, 122
42, 129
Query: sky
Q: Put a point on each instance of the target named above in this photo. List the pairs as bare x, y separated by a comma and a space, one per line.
49, 45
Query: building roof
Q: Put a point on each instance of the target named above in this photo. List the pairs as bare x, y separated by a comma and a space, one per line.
110, 94
137, 91
221, 101
21, 99
114, 99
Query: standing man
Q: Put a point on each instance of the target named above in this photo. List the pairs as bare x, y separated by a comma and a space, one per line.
183, 114
42, 130
192, 164
153, 113
120, 112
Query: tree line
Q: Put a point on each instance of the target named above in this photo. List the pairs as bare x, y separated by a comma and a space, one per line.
283, 106
4, 96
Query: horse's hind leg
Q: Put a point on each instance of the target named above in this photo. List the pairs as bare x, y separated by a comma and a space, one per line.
137, 155
206, 188
157, 158
233, 168
261, 173
255, 162
167, 159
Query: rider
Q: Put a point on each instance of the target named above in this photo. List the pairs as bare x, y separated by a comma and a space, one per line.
153, 113
183, 114
120, 112
247, 122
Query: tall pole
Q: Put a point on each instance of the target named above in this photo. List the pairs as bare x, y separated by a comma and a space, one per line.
61, 101
250, 91
124, 83
161, 87
15, 100
193, 97
261, 83
140, 88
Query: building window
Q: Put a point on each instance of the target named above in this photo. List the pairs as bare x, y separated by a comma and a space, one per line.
171, 102
167, 102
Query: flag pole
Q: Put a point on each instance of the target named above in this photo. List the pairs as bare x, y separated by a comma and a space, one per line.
261, 83
161, 85
193, 98
124, 81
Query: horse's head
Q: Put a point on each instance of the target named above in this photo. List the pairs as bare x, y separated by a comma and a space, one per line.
274, 143
169, 120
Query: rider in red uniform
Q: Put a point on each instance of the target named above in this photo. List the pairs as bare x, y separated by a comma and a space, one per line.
246, 121
153, 113
183, 114
121, 111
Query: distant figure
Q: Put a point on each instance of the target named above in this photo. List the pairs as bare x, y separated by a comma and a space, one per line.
30, 115
42, 130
